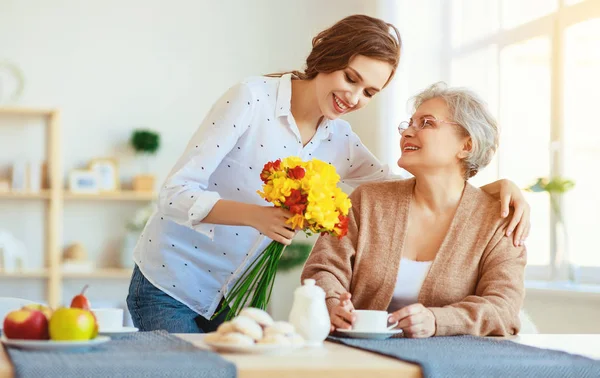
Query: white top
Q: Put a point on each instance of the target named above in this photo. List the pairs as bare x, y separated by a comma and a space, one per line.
250, 125
411, 276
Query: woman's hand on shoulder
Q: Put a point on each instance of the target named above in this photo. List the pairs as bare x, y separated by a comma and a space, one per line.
415, 320
341, 315
511, 195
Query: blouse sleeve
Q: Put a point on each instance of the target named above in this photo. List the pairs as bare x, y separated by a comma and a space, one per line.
365, 167
185, 198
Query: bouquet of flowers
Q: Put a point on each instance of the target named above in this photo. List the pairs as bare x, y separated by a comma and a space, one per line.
309, 191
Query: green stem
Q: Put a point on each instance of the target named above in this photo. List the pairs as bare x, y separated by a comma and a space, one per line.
256, 283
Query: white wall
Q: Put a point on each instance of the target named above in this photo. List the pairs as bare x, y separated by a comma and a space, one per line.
112, 66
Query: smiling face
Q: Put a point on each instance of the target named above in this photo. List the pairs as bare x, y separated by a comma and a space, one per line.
347, 90
438, 145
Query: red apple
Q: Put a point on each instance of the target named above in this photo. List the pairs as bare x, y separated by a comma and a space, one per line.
39, 307
80, 301
26, 324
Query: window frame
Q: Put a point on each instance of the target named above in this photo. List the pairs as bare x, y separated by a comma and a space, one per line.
552, 26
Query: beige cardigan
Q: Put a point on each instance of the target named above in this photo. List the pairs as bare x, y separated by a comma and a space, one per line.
474, 286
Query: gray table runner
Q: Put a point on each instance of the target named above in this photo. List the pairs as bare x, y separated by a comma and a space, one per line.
141, 354
469, 356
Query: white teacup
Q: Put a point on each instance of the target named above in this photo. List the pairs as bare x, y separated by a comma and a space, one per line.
371, 321
108, 318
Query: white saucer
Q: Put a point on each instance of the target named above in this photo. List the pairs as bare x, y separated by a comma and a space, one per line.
252, 349
117, 330
52, 344
377, 335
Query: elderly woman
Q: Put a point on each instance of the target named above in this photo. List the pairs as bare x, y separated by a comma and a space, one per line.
431, 250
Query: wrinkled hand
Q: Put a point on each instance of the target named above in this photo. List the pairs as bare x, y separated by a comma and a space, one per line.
416, 321
511, 195
271, 222
341, 315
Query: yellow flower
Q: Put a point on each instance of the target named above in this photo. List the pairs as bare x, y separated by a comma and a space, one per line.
297, 221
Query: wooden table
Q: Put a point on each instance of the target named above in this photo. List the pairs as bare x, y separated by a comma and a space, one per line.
330, 361
336, 360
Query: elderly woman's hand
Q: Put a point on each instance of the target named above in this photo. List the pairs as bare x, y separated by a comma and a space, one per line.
511, 195
416, 321
341, 315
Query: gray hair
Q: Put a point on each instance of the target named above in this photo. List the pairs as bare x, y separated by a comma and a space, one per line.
473, 116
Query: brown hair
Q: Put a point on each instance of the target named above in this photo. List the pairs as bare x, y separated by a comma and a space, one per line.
333, 48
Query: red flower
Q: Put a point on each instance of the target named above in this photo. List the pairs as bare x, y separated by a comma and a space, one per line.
297, 209
342, 226
296, 202
269, 168
296, 173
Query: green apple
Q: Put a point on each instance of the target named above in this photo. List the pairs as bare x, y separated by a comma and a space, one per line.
72, 324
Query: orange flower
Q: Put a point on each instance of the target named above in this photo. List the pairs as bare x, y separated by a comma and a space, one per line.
342, 227
270, 168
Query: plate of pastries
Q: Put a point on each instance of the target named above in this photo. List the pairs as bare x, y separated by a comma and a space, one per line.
254, 331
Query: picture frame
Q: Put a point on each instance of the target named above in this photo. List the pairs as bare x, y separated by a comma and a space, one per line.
84, 182
108, 174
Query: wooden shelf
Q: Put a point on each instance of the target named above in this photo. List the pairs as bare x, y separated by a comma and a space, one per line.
100, 273
44, 273
43, 194
25, 111
124, 195
25, 274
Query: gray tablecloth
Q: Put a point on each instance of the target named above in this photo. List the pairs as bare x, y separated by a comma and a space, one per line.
141, 354
469, 356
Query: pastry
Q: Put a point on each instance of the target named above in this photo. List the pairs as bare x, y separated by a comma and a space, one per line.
275, 338
247, 326
280, 327
236, 338
226, 327
258, 315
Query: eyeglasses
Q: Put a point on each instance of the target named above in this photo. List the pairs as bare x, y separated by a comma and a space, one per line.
423, 123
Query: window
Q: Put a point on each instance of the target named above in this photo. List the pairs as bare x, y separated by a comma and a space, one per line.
537, 63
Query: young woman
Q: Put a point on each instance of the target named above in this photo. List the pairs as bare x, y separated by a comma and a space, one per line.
210, 224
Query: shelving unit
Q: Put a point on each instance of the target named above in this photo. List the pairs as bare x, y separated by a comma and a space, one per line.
54, 197
100, 274
43, 273
124, 195
43, 194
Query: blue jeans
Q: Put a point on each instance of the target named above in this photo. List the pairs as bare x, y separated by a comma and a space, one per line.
152, 309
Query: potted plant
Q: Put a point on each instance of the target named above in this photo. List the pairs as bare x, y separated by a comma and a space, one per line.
145, 144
